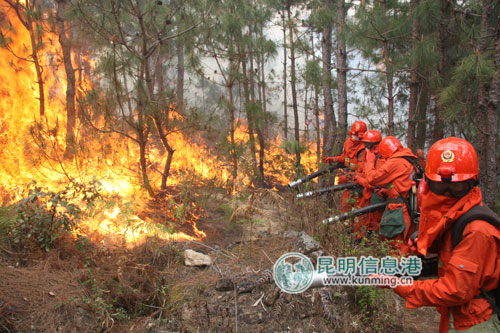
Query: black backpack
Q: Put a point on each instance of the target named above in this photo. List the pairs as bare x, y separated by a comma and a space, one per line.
482, 213
418, 170
411, 202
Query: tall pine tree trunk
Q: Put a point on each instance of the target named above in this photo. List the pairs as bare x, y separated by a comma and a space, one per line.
412, 110
326, 57
443, 41
38, 68
317, 129
257, 114
293, 85
144, 99
262, 71
490, 188
179, 104
487, 112
25, 15
285, 69
70, 79
414, 84
341, 77
158, 116
389, 77
249, 110
317, 126
234, 155
423, 102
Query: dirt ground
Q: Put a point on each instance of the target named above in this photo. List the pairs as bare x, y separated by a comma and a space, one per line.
88, 287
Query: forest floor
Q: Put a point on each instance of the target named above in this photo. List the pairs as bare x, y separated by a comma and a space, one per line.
88, 287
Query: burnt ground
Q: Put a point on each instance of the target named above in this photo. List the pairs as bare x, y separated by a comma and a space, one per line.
83, 286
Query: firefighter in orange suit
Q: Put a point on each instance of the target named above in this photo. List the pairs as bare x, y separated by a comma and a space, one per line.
371, 221
353, 158
394, 177
452, 174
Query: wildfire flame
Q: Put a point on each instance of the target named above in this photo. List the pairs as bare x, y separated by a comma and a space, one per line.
112, 160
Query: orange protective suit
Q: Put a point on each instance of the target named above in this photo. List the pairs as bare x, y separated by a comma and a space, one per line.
353, 154
370, 221
474, 263
394, 177
353, 158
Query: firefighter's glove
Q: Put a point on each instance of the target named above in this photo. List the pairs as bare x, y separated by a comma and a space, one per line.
382, 192
412, 244
330, 160
403, 291
361, 181
343, 179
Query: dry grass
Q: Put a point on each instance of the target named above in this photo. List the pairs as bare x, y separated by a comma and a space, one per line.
148, 283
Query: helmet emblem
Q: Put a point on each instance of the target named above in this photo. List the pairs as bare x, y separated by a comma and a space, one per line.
356, 127
447, 156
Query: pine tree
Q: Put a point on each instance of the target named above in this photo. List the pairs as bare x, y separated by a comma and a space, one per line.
30, 16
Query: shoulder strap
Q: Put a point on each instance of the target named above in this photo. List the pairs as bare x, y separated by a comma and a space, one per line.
411, 201
475, 213
359, 152
418, 169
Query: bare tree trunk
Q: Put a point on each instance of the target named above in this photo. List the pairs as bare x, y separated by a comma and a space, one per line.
341, 77
482, 110
179, 104
70, 78
443, 36
142, 140
229, 83
38, 69
306, 111
285, 69
330, 121
487, 115
423, 103
257, 115
414, 84
168, 148
143, 101
157, 118
318, 129
26, 19
234, 156
293, 85
263, 82
248, 106
389, 77
412, 110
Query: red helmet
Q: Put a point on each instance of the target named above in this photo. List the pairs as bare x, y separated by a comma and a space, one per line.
358, 128
388, 146
452, 160
372, 136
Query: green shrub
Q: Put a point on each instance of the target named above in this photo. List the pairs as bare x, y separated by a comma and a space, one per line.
44, 216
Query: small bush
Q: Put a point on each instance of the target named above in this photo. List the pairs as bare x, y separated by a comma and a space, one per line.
44, 216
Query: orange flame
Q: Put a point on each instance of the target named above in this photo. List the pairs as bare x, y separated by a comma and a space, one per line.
111, 160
